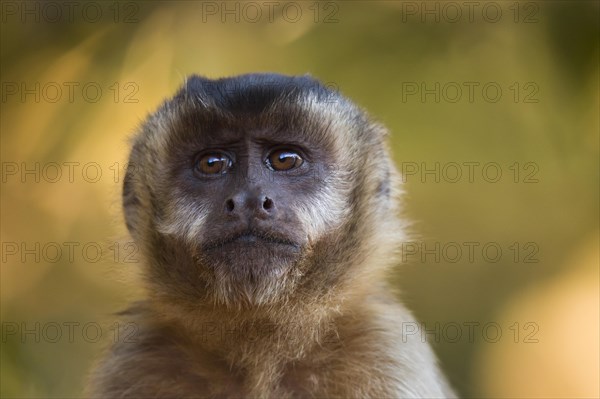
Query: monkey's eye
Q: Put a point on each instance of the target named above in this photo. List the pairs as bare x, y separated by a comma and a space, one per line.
284, 160
212, 163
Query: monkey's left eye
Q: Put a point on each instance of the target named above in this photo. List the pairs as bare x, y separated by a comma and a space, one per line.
284, 160
212, 163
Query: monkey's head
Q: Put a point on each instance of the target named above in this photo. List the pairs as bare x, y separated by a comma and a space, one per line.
253, 190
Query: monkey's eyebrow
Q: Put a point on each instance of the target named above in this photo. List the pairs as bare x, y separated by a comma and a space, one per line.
225, 139
214, 141
283, 137
282, 141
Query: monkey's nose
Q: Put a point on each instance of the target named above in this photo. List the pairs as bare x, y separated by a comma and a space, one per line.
248, 205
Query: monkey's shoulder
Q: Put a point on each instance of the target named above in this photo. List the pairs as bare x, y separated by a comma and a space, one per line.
153, 359
379, 352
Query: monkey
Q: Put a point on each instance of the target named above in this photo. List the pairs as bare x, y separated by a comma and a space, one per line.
266, 209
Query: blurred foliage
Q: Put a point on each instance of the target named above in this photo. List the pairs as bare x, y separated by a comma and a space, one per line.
372, 52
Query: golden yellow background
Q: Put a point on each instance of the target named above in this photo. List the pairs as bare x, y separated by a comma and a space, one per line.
138, 53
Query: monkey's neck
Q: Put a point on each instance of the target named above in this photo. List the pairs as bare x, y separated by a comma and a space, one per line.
262, 342
287, 330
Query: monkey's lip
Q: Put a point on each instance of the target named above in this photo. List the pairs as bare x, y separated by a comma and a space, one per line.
250, 238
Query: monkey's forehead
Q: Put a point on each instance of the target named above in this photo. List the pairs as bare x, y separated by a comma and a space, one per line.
269, 100
296, 107
253, 92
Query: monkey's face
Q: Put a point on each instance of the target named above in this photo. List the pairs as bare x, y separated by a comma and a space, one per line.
242, 185
245, 194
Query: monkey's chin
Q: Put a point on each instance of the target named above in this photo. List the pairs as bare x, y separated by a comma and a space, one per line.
252, 271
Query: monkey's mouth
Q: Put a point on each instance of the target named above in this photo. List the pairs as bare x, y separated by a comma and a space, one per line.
251, 256
251, 238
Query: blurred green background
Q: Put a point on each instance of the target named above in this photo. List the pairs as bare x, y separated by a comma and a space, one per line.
77, 78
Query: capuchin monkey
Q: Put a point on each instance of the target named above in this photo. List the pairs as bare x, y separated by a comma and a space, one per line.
266, 210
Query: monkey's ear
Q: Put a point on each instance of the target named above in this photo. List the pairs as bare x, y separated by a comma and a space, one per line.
131, 202
197, 78
384, 186
197, 83
196, 86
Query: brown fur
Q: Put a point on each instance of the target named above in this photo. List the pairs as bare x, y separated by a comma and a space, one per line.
327, 326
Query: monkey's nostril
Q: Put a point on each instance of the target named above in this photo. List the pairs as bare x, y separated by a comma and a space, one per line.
267, 204
229, 205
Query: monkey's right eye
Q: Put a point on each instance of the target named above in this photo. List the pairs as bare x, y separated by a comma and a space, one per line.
213, 163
